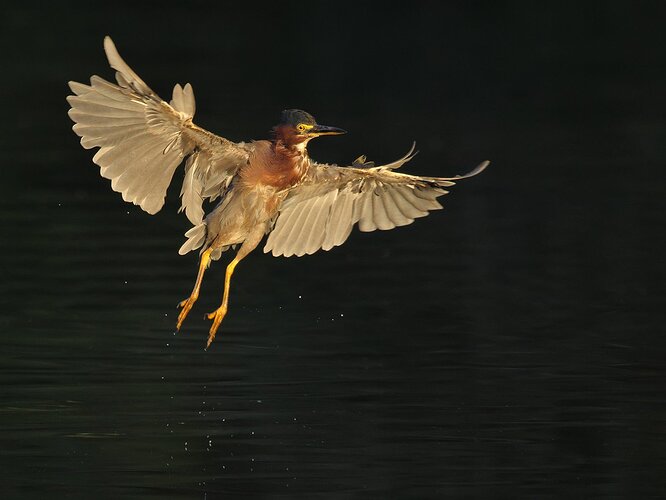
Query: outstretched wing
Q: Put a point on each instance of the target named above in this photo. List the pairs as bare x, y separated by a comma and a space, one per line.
143, 139
322, 210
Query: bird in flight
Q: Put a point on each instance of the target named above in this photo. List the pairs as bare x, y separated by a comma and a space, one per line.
264, 187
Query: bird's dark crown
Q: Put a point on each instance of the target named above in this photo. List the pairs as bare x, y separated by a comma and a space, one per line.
297, 127
295, 117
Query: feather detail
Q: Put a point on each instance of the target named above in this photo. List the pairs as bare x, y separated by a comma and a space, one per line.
143, 139
320, 212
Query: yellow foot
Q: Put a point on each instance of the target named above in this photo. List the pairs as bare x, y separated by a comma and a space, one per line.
217, 316
186, 305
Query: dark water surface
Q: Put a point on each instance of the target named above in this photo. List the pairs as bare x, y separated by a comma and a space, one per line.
509, 346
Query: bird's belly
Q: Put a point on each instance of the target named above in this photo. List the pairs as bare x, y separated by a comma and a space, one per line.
244, 210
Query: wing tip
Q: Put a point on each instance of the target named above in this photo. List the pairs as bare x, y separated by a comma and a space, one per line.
479, 168
108, 43
112, 55
475, 171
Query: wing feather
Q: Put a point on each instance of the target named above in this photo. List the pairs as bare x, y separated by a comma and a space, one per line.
280, 238
320, 212
192, 189
294, 242
143, 139
364, 214
340, 221
318, 228
395, 213
402, 198
422, 204
381, 219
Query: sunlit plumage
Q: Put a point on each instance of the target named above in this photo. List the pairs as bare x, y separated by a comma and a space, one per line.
265, 187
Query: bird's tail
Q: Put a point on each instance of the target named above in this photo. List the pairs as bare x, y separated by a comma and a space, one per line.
196, 237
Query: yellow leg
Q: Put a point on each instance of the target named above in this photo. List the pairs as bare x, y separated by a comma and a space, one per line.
250, 243
218, 315
189, 302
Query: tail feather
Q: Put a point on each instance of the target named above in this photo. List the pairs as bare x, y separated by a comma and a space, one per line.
196, 237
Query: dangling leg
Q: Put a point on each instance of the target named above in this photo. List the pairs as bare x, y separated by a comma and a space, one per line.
218, 315
189, 302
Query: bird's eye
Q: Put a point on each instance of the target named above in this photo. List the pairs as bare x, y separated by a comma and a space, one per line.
301, 127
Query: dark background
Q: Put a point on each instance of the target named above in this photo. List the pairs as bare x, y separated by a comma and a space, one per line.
510, 346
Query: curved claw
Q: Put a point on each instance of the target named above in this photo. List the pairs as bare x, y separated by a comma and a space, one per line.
186, 305
217, 316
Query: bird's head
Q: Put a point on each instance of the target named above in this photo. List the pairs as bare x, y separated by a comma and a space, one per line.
297, 127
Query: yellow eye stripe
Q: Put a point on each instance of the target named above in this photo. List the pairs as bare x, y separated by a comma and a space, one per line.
304, 126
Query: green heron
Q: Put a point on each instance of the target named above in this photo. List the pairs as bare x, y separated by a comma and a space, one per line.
265, 187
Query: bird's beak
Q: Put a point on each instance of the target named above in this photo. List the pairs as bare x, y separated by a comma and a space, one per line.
318, 130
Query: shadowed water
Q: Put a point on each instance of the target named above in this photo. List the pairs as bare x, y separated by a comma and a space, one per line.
405, 371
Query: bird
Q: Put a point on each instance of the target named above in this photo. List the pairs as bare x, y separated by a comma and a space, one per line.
262, 187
